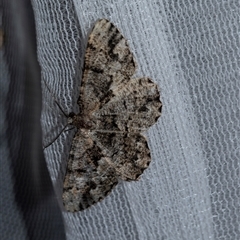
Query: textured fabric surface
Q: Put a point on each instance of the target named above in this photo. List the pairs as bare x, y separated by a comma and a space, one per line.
12, 225
192, 50
28, 204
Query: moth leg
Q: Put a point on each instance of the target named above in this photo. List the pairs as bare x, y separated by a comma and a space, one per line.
64, 129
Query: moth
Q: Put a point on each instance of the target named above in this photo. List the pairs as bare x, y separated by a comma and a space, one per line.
115, 110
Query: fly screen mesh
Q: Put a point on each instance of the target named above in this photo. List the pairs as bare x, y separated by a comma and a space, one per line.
191, 49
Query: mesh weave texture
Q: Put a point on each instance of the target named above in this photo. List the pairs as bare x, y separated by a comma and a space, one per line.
192, 50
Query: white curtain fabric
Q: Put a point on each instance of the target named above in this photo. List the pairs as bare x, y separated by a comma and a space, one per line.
191, 49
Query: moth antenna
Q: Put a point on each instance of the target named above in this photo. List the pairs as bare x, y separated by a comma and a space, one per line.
49, 144
61, 109
69, 129
66, 115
